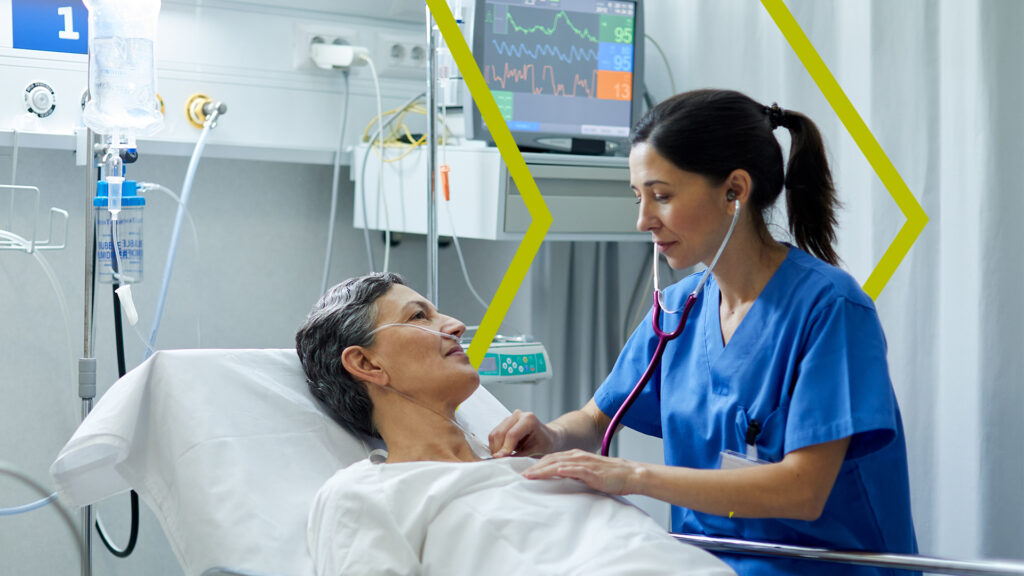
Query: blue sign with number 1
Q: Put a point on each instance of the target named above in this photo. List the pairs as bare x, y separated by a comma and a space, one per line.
50, 25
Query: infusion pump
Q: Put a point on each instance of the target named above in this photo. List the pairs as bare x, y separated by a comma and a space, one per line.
511, 362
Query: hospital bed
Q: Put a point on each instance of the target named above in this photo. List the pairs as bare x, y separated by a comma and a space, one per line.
228, 449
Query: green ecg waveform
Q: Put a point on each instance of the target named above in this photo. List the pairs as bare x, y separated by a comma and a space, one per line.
585, 34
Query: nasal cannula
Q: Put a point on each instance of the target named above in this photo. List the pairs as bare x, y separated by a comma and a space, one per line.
479, 449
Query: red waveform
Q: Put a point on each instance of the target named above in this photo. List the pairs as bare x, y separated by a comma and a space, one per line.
526, 72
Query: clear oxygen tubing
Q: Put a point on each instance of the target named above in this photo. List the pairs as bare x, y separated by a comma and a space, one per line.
362, 175
479, 448
462, 261
186, 192
380, 174
112, 174
15, 510
145, 187
334, 188
118, 276
9, 470
61, 300
43, 262
445, 184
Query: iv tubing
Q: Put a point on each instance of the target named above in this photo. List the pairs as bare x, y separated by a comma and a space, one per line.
28, 507
462, 261
17, 475
117, 274
334, 190
362, 175
380, 173
61, 300
145, 187
133, 534
186, 191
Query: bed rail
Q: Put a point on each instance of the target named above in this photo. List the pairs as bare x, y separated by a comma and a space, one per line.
880, 560
914, 562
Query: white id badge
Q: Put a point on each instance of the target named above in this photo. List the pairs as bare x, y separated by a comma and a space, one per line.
730, 460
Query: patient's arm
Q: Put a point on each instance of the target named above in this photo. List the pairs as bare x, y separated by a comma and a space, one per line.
524, 434
797, 487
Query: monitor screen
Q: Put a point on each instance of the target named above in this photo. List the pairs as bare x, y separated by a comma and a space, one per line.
561, 70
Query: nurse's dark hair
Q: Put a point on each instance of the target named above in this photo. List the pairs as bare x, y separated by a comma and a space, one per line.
713, 132
343, 317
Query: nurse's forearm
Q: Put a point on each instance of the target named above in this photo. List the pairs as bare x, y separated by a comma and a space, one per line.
583, 428
796, 488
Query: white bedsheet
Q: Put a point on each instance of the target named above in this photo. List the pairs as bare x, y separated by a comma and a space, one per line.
485, 518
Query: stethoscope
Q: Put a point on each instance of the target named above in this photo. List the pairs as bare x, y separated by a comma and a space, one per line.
664, 337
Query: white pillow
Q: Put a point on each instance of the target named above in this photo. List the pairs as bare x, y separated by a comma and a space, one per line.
227, 447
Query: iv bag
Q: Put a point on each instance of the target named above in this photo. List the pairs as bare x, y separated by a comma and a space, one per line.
122, 67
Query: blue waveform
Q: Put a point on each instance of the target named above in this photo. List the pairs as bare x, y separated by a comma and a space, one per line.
575, 54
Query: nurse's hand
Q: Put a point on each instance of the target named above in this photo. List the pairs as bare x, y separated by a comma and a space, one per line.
610, 475
521, 434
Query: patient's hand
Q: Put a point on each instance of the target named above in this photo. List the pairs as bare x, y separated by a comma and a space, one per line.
610, 475
521, 434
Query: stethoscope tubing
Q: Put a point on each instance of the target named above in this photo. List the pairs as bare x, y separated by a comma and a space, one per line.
664, 337
663, 340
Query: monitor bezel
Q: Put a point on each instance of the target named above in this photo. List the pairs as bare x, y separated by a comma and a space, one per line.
560, 141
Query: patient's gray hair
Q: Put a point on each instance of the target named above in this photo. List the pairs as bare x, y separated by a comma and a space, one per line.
343, 317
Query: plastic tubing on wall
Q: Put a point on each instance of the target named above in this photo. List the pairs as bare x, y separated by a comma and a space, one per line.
61, 300
186, 191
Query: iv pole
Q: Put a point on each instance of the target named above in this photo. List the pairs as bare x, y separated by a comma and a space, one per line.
87, 364
432, 235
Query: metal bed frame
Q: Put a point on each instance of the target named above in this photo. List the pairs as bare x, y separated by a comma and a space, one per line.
876, 559
913, 562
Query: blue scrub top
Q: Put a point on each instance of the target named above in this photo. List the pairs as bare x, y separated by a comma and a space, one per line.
808, 362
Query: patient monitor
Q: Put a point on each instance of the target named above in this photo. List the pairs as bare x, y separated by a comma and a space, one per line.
228, 448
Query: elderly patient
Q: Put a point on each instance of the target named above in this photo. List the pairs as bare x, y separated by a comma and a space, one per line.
386, 363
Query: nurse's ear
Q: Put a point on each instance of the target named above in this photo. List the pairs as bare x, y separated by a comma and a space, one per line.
738, 185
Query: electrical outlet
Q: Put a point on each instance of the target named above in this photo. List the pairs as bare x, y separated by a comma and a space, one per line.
405, 55
304, 35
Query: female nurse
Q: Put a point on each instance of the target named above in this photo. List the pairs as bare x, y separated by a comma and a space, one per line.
775, 405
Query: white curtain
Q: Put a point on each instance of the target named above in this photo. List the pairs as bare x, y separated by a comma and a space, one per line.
939, 83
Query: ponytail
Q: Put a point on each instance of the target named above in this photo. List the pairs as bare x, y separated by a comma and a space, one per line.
810, 194
713, 132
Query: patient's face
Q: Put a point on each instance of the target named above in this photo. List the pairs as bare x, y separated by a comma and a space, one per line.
424, 365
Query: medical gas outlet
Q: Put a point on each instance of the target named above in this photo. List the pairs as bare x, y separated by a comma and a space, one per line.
200, 107
40, 99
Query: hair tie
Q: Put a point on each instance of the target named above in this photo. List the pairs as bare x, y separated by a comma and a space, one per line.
775, 115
